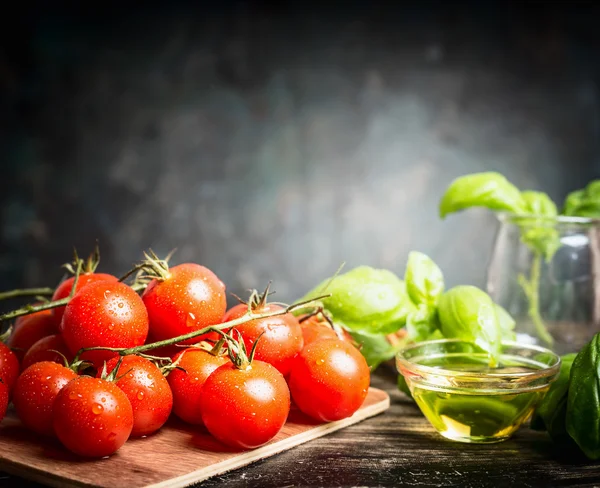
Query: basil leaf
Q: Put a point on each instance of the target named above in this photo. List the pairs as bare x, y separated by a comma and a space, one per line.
366, 299
506, 323
490, 190
585, 202
424, 279
538, 203
551, 412
468, 313
421, 323
583, 403
374, 347
540, 235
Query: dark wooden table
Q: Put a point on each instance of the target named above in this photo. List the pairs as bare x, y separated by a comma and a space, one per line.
399, 448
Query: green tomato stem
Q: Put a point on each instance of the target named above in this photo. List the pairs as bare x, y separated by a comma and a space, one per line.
248, 317
26, 292
29, 309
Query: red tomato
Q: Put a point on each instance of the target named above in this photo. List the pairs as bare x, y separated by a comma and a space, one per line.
329, 380
92, 417
315, 328
147, 390
281, 338
187, 385
30, 330
245, 408
9, 366
44, 350
63, 290
191, 298
3, 400
35, 392
108, 314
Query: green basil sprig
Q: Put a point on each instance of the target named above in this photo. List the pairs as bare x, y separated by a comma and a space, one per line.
372, 304
585, 202
570, 411
583, 402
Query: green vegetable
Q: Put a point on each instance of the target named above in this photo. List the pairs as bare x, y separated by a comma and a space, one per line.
374, 301
490, 190
493, 191
374, 347
468, 313
424, 280
585, 202
550, 414
539, 234
506, 323
583, 403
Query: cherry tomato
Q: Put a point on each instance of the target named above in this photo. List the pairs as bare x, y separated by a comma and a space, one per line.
3, 400
34, 394
245, 408
281, 338
187, 385
44, 350
92, 417
9, 366
104, 313
329, 380
190, 299
147, 390
63, 290
315, 328
30, 330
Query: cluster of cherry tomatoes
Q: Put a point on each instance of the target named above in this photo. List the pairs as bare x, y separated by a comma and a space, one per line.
238, 381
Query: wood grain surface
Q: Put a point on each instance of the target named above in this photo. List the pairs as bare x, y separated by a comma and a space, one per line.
399, 448
178, 455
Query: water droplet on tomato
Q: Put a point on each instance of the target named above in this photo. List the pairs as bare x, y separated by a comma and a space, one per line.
192, 316
112, 436
111, 326
97, 409
194, 379
120, 305
140, 395
106, 292
72, 395
48, 377
103, 400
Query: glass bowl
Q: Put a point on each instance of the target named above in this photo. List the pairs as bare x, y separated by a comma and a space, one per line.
464, 398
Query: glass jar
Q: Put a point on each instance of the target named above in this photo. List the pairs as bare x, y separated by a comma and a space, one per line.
546, 273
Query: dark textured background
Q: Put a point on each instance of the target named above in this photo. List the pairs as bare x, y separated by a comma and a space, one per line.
270, 141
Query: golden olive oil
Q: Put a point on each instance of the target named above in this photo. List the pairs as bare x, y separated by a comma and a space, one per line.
476, 415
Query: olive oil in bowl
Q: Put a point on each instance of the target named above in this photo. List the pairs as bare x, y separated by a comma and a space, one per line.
465, 399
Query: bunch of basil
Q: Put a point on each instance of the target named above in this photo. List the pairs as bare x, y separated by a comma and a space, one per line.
569, 411
374, 304
534, 213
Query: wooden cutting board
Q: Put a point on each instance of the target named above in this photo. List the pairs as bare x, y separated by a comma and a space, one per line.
178, 455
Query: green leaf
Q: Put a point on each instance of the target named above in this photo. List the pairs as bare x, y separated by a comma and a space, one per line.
540, 235
422, 323
490, 190
584, 202
583, 403
506, 323
367, 299
424, 279
468, 313
374, 347
550, 414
